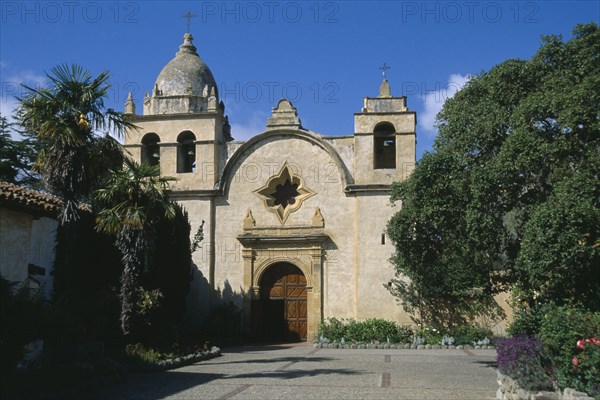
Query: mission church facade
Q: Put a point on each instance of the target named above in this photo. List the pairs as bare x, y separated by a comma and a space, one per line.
294, 220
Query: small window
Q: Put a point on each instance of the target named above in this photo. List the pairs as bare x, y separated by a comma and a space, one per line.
150, 149
186, 152
384, 144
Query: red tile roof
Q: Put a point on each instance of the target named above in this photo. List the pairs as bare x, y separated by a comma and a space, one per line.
19, 196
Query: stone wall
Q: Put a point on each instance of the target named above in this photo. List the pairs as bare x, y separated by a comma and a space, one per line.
27, 248
508, 389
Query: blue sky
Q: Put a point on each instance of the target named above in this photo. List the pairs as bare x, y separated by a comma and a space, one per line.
324, 56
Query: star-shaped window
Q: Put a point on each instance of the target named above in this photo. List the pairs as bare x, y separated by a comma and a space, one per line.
284, 193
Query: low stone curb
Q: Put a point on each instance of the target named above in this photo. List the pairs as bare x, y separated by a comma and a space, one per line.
318, 345
509, 389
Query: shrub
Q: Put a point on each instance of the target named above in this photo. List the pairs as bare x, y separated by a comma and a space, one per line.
561, 329
471, 335
370, 330
224, 323
586, 366
333, 329
138, 354
380, 330
405, 334
428, 335
526, 321
523, 359
22, 317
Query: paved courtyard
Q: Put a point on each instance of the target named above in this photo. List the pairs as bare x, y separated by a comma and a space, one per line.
302, 372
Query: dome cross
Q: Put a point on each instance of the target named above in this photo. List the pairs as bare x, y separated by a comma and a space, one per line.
188, 16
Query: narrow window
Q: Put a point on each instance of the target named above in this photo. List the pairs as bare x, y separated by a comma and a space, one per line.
383, 238
186, 152
150, 149
384, 143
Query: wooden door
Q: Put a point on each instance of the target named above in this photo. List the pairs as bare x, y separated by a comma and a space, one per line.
283, 285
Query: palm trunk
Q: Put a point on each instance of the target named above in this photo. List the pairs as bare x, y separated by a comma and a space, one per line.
131, 243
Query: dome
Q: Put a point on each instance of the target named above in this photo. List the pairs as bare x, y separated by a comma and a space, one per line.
186, 74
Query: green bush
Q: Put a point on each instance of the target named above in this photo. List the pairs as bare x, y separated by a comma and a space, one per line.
586, 366
429, 335
138, 354
224, 324
22, 318
405, 334
470, 334
526, 321
370, 330
332, 329
561, 329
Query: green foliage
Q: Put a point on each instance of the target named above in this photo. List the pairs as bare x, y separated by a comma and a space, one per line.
560, 250
224, 323
561, 328
85, 303
169, 265
467, 335
22, 316
527, 320
428, 335
332, 329
131, 205
370, 330
79, 316
508, 199
586, 366
148, 302
138, 354
17, 156
86, 260
66, 118
198, 238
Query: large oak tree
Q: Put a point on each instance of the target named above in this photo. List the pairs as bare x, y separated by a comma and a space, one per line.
509, 198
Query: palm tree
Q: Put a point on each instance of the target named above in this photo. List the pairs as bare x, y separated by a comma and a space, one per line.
66, 117
130, 205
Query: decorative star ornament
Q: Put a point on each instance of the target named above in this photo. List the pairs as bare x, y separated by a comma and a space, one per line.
284, 193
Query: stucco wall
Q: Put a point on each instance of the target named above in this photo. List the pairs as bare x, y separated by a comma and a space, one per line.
27, 240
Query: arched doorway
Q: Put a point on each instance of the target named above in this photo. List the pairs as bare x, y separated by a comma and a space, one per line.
280, 314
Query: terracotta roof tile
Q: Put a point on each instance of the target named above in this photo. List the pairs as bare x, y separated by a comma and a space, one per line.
21, 196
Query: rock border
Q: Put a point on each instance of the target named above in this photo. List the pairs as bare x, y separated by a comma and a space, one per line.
509, 389
319, 345
177, 362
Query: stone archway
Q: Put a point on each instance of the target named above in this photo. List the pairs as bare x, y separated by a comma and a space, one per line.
264, 247
280, 312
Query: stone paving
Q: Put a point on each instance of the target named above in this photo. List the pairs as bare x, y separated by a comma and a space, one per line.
303, 372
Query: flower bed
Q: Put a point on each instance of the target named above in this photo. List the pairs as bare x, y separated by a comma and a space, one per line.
380, 334
144, 360
336, 345
561, 351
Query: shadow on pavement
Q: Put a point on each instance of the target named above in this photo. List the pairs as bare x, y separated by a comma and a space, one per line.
487, 364
293, 374
274, 360
150, 386
254, 347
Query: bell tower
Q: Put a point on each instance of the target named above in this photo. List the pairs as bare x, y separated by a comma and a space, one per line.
384, 139
184, 128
